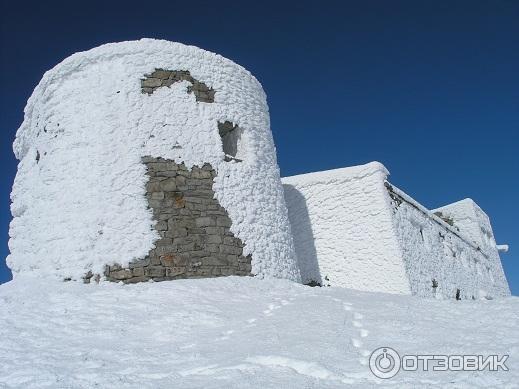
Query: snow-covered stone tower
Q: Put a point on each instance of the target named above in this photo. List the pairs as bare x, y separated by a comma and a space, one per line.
148, 160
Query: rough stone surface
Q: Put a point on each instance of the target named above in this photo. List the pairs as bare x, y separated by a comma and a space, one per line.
196, 240
165, 78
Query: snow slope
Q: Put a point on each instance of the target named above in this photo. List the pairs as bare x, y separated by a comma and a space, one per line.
238, 333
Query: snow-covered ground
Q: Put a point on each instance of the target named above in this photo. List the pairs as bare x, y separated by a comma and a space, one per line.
238, 333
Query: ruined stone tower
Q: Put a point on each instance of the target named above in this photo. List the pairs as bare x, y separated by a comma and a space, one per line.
148, 160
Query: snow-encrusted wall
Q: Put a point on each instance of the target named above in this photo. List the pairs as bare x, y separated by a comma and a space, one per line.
78, 200
368, 235
343, 231
471, 220
440, 259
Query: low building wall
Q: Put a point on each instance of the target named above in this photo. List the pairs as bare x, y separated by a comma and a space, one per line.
353, 229
343, 230
440, 259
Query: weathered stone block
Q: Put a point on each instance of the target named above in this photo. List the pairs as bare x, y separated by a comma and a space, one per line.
164, 242
134, 280
215, 261
151, 83
155, 203
154, 271
186, 247
157, 195
215, 230
138, 272
175, 271
205, 222
213, 248
227, 271
246, 267
172, 260
223, 222
161, 226
169, 184
139, 263
231, 250
161, 74
214, 239
177, 231
121, 274
154, 261
231, 241
165, 174
166, 250
197, 254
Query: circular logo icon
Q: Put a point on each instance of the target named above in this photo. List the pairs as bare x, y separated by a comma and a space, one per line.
384, 362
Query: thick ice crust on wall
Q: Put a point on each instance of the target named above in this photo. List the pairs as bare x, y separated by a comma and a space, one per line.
342, 217
451, 256
471, 220
78, 199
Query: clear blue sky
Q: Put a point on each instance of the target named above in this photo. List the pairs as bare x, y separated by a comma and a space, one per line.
429, 88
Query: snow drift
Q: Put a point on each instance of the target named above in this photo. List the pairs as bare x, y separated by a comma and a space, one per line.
271, 334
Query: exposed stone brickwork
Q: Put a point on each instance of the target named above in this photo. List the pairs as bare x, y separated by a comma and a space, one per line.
196, 240
165, 78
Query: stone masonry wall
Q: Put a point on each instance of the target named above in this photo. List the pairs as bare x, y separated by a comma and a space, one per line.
165, 78
195, 238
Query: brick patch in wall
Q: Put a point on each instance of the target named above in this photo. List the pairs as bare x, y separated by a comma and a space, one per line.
195, 237
165, 78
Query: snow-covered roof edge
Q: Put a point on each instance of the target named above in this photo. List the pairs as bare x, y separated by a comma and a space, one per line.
362, 171
463, 202
341, 174
434, 217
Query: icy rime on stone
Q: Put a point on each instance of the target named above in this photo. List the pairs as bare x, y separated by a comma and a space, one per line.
194, 228
432, 244
160, 78
90, 184
354, 229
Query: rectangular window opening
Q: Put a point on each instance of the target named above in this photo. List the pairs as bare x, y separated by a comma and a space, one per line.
231, 137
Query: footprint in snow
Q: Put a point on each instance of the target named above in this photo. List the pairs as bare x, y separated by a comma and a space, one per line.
226, 335
271, 307
356, 322
356, 343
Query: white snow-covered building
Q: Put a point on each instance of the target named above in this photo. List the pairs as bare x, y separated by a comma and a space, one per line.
152, 160
148, 160
352, 228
